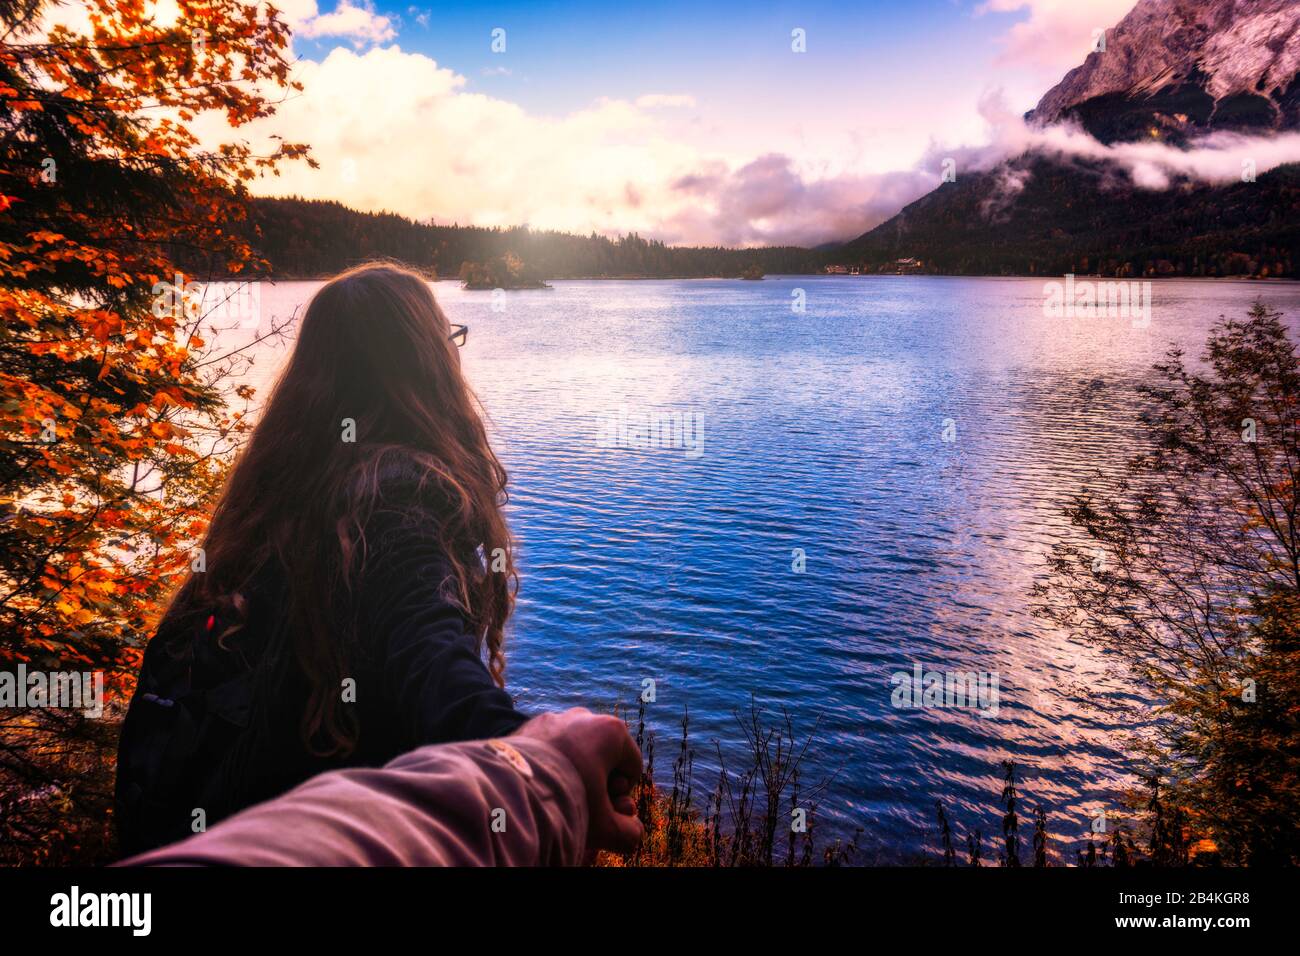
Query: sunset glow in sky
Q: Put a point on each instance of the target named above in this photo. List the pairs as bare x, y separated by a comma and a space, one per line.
693, 123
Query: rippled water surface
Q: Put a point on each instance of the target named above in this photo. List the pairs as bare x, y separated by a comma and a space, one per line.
822, 432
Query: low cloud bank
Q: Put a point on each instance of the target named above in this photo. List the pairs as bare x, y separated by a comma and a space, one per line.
1218, 159
769, 202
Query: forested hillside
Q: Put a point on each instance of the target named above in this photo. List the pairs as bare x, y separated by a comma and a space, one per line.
307, 238
1039, 216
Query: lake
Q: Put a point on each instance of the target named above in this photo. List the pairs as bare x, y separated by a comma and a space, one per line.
823, 434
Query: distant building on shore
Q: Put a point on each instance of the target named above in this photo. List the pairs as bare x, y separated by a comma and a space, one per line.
906, 266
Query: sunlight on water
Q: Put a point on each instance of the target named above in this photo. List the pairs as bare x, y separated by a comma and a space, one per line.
822, 431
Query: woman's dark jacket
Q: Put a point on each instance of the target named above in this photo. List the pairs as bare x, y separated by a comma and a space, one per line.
211, 730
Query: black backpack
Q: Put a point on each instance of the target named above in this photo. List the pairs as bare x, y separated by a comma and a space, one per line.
172, 738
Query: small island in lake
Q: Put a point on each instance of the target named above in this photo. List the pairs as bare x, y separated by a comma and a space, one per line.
503, 272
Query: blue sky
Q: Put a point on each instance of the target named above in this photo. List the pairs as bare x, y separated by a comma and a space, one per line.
560, 54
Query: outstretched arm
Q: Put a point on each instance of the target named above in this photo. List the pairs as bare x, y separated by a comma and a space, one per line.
542, 797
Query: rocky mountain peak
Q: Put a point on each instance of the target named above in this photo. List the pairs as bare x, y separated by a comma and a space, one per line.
1176, 69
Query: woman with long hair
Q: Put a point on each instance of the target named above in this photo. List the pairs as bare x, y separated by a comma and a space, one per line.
357, 576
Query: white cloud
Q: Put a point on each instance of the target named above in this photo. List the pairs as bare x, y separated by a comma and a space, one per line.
771, 202
394, 130
1057, 34
357, 22
1219, 158
1152, 164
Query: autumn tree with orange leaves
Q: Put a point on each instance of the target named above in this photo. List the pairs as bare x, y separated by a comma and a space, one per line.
118, 417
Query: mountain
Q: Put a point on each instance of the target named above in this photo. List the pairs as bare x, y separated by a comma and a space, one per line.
1186, 67
1171, 71
1040, 216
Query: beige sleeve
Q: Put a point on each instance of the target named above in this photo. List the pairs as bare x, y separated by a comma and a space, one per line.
481, 803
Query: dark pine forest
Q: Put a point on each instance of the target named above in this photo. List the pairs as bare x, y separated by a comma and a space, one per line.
304, 239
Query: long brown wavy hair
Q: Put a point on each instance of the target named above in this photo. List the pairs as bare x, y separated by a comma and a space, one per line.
372, 348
